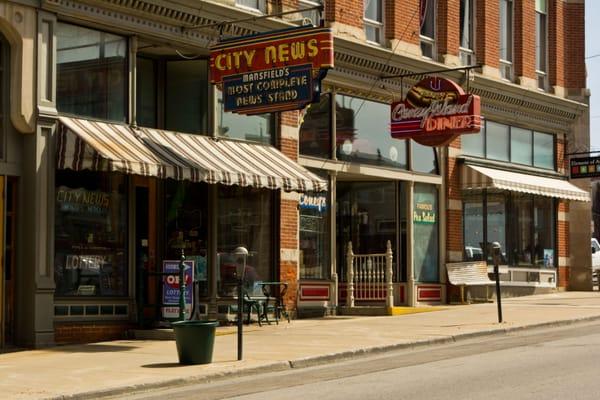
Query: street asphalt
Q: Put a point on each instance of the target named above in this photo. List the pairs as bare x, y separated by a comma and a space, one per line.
124, 366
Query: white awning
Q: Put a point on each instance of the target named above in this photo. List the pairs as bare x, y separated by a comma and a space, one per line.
474, 177
100, 146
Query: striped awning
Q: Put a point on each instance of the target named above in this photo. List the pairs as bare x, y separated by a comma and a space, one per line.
100, 146
474, 177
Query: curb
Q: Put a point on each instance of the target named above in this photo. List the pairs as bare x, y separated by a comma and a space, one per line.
316, 360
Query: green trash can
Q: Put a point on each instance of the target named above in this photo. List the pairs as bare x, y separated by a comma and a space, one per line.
195, 341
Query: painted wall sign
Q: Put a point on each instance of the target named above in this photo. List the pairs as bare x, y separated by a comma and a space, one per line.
435, 112
585, 167
274, 71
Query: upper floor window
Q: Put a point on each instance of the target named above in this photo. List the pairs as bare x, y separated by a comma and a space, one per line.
373, 20
511, 144
259, 5
541, 43
427, 14
91, 73
315, 131
467, 32
172, 94
506, 39
313, 15
254, 128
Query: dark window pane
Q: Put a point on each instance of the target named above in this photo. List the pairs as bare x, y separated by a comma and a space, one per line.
186, 224
363, 133
315, 131
543, 150
497, 142
186, 96
521, 146
427, 8
244, 219
466, 24
91, 73
146, 97
473, 228
314, 236
255, 128
423, 158
90, 234
426, 237
366, 216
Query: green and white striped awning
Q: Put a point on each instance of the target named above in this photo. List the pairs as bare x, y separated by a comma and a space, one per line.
91, 145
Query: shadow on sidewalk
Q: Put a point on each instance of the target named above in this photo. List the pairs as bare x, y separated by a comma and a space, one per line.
92, 348
164, 365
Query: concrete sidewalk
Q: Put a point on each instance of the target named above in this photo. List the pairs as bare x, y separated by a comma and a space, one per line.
88, 371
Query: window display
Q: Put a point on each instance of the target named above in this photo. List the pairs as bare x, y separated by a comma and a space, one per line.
314, 236
90, 234
426, 235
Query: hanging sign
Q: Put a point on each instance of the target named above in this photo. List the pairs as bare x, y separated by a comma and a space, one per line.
274, 71
585, 167
435, 112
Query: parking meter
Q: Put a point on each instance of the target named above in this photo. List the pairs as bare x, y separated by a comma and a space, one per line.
497, 257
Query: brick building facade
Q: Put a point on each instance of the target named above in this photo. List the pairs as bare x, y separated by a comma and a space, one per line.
117, 66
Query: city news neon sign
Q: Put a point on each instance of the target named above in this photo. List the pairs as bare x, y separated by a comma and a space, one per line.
435, 112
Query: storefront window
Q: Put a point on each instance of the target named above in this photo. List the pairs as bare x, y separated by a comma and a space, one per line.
423, 158
244, 218
315, 131
522, 225
362, 133
90, 234
473, 228
496, 224
497, 141
254, 128
543, 226
543, 150
91, 73
521, 146
147, 93
314, 236
186, 226
186, 96
426, 236
366, 217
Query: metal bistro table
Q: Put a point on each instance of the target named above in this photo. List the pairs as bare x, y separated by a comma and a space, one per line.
275, 291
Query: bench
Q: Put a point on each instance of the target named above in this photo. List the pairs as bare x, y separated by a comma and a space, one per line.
474, 273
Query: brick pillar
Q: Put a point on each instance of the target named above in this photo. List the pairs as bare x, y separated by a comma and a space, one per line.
454, 216
288, 226
574, 35
524, 43
562, 237
487, 35
402, 25
345, 17
448, 31
556, 44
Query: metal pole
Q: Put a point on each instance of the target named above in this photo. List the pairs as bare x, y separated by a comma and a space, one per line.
240, 321
496, 256
182, 287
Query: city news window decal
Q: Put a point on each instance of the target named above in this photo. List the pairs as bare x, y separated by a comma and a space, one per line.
273, 71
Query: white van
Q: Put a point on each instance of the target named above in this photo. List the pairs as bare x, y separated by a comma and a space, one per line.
595, 254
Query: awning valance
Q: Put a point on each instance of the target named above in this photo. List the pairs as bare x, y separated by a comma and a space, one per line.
100, 146
474, 177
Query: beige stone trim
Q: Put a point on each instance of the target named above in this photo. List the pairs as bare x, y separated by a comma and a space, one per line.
559, 91
451, 60
290, 196
491, 72
563, 216
454, 152
528, 83
405, 48
289, 255
289, 132
348, 32
455, 256
455, 205
18, 24
563, 261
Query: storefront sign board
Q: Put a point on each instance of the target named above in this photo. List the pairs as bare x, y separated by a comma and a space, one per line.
309, 202
171, 287
424, 213
585, 167
273, 71
435, 111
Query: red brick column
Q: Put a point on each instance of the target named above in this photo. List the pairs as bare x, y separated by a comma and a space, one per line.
556, 43
348, 12
402, 22
288, 226
524, 39
487, 34
448, 27
562, 237
454, 213
574, 44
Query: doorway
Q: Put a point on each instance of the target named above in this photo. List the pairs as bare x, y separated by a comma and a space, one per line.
8, 215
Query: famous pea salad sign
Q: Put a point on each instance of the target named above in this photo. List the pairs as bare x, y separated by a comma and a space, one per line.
274, 71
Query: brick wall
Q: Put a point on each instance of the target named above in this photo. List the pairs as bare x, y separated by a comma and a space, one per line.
402, 22
574, 43
487, 35
562, 238
89, 332
349, 12
448, 22
556, 43
524, 39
